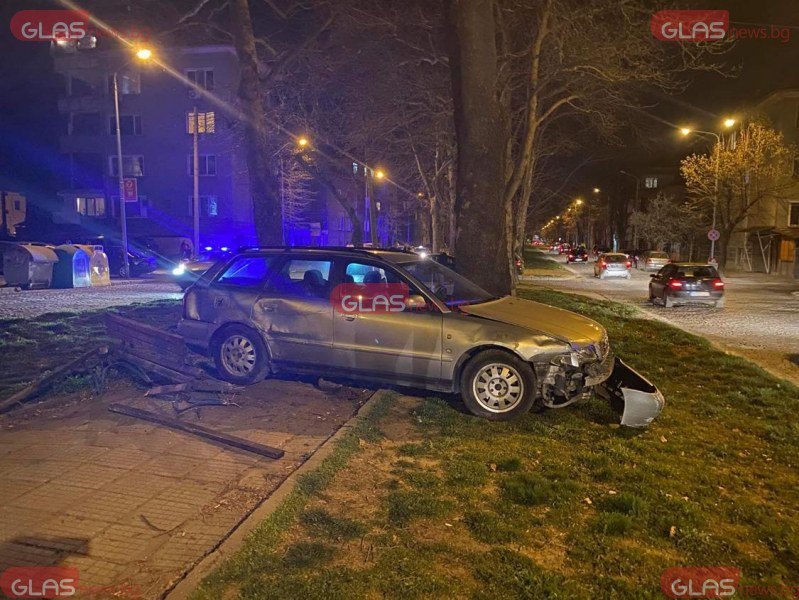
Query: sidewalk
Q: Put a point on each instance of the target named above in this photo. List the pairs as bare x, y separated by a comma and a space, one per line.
129, 502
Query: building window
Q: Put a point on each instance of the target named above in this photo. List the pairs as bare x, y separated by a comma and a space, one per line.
203, 78
17, 205
133, 166
793, 214
128, 124
207, 164
209, 206
90, 207
86, 124
650, 182
129, 83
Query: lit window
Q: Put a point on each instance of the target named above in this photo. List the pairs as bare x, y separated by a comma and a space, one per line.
129, 83
209, 206
90, 207
133, 166
651, 182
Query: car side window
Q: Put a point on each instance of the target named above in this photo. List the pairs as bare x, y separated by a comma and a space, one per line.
360, 273
247, 271
665, 272
302, 278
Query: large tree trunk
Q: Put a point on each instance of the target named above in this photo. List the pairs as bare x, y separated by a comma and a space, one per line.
481, 247
264, 187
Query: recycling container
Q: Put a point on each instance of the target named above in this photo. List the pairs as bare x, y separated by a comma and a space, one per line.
72, 268
29, 266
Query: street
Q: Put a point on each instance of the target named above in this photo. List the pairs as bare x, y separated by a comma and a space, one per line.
32, 303
760, 319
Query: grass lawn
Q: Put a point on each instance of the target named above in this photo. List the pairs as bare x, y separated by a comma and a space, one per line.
423, 501
539, 264
32, 346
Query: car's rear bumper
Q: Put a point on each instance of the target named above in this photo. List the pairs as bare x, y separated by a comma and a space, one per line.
196, 333
691, 297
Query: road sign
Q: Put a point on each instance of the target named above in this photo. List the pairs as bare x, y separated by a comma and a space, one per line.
713, 235
130, 191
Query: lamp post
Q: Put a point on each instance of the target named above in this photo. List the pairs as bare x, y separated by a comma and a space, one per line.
685, 131
378, 174
141, 54
637, 195
302, 142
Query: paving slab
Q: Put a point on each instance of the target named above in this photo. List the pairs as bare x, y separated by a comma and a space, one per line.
131, 503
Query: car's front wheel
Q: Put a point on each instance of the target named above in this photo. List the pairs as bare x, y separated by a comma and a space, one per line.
240, 355
498, 386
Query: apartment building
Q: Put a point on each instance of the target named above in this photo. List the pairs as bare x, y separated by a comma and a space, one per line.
155, 109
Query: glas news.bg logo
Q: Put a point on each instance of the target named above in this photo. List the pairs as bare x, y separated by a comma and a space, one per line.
48, 25
690, 25
39, 582
700, 582
369, 298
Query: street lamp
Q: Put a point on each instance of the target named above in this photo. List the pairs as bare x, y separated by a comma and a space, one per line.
685, 131
141, 54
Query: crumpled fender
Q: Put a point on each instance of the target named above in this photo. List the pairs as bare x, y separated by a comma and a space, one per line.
630, 392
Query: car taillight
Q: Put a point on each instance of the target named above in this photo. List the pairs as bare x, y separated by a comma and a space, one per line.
603, 264
675, 285
629, 264
718, 284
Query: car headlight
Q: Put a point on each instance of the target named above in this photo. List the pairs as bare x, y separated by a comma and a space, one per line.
179, 270
583, 355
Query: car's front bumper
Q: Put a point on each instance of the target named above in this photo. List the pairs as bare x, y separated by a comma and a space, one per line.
631, 393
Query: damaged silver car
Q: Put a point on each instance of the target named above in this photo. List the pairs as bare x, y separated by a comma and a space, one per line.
283, 309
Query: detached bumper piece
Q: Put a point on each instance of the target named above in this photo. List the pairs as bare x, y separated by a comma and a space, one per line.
632, 394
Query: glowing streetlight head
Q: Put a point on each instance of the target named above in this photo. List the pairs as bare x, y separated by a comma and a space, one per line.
302, 141
729, 122
144, 54
596, 190
685, 130
379, 174
579, 201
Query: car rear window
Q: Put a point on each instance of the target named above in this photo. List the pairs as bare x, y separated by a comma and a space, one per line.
697, 272
247, 271
615, 258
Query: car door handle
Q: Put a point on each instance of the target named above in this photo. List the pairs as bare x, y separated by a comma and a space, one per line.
349, 317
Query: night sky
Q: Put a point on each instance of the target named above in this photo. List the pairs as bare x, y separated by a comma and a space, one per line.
29, 124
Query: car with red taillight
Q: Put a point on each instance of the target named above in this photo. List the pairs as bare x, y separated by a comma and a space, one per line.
612, 264
687, 283
653, 260
578, 255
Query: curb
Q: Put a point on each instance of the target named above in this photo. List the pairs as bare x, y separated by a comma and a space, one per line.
234, 540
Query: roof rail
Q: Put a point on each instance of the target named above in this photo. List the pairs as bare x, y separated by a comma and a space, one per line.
322, 249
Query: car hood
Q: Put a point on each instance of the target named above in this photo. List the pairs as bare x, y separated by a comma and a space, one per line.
561, 324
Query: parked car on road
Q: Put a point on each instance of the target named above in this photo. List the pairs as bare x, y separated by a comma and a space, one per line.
578, 255
139, 262
687, 283
612, 264
187, 272
273, 310
653, 260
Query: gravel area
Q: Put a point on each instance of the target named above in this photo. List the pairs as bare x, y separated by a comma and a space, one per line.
760, 319
32, 303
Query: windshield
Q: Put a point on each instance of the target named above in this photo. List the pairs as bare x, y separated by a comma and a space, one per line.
446, 284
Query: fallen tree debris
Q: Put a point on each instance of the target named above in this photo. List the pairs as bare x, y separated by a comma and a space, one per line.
198, 430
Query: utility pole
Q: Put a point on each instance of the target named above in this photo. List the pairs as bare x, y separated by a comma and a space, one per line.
123, 216
370, 203
283, 202
196, 169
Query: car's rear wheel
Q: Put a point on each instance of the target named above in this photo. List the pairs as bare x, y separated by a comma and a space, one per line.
240, 355
498, 386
